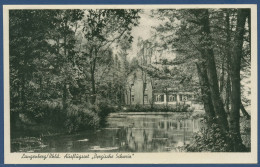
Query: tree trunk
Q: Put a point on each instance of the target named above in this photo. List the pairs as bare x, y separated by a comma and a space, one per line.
228, 94
221, 82
206, 97
235, 80
245, 113
65, 91
23, 95
152, 102
64, 98
92, 73
208, 56
228, 41
143, 79
130, 100
93, 96
249, 28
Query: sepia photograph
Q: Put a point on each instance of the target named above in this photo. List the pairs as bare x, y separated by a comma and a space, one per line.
130, 80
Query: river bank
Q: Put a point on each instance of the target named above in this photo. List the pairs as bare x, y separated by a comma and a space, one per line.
124, 132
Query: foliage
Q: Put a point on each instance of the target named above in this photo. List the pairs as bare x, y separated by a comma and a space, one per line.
81, 118
210, 139
50, 78
103, 29
216, 41
245, 129
103, 109
159, 108
42, 112
63, 60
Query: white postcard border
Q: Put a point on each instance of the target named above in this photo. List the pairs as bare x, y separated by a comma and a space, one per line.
136, 158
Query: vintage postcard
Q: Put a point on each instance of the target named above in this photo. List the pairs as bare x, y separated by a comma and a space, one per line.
130, 84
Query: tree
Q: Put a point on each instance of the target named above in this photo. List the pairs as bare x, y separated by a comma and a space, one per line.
42, 44
28, 43
50, 58
63, 37
207, 55
242, 14
102, 28
206, 37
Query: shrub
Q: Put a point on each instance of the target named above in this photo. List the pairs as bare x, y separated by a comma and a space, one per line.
138, 108
46, 112
159, 108
245, 129
80, 118
210, 139
51, 115
183, 108
103, 109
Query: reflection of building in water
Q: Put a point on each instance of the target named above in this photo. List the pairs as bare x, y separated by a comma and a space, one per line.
150, 135
190, 125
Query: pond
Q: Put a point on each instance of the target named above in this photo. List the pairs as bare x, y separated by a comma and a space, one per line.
125, 132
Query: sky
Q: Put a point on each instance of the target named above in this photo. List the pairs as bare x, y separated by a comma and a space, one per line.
143, 30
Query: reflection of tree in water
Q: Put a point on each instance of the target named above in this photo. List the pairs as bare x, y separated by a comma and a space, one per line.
121, 137
150, 136
145, 136
131, 135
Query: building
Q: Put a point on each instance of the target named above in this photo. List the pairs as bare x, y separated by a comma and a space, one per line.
145, 90
138, 88
149, 84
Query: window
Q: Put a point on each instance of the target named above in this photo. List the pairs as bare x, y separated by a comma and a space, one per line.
132, 92
159, 98
132, 88
145, 86
145, 99
184, 98
171, 98
156, 98
190, 97
133, 98
180, 97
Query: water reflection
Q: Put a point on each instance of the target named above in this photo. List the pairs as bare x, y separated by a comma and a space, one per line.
128, 133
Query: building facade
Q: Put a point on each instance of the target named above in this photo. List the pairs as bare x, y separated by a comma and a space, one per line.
174, 98
138, 88
143, 90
